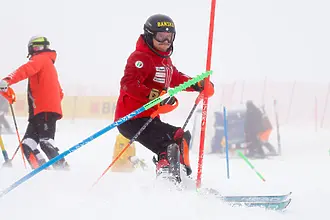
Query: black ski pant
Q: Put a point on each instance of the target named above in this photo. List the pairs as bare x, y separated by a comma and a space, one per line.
40, 130
156, 137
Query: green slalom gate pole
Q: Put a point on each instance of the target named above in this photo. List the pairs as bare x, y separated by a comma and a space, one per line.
171, 92
250, 165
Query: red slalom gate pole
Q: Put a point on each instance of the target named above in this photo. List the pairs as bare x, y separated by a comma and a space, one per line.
205, 99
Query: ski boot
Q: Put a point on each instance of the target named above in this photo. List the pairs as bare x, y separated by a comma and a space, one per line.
48, 148
168, 164
32, 153
271, 149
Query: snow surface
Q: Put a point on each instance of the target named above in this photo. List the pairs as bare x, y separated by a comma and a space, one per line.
51, 195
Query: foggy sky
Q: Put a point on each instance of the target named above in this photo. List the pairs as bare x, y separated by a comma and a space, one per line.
281, 39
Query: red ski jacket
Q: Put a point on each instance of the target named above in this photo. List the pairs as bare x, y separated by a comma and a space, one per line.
145, 71
44, 90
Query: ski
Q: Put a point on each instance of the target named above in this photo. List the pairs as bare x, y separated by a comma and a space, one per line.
263, 198
277, 206
273, 198
269, 202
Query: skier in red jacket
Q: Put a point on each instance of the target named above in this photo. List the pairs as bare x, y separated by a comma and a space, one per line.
149, 72
44, 100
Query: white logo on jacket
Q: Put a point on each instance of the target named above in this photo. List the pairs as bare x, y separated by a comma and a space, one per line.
160, 74
139, 64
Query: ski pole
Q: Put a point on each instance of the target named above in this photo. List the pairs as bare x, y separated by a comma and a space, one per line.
20, 146
160, 110
124, 149
149, 105
180, 135
250, 165
198, 99
17, 148
11, 98
193, 131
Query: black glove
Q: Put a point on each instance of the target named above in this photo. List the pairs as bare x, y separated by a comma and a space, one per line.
168, 101
188, 170
199, 86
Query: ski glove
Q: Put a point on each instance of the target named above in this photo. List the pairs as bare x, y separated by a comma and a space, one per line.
199, 87
168, 101
154, 93
3, 86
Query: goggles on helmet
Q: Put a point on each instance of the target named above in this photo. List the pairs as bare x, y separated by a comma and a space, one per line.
161, 37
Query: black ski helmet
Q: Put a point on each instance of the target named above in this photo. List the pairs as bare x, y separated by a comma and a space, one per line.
158, 23
37, 44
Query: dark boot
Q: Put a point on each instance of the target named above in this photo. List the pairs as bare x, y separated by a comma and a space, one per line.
255, 150
34, 157
270, 148
51, 151
173, 156
168, 164
260, 153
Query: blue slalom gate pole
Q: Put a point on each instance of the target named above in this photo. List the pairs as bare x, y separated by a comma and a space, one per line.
225, 124
147, 106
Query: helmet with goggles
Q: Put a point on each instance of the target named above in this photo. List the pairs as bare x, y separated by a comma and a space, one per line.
37, 44
161, 28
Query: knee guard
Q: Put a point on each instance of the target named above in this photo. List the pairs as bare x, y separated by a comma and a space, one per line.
183, 139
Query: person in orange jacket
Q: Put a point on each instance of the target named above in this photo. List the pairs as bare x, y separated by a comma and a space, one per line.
257, 129
265, 133
44, 100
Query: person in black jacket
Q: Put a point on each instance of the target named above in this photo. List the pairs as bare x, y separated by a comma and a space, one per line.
252, 127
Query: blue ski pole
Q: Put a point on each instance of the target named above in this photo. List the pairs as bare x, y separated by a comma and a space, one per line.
147, 106
226, 138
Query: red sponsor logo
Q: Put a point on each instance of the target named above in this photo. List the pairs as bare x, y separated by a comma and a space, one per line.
95, 107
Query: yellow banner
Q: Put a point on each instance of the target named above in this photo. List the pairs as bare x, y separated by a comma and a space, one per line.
91, 107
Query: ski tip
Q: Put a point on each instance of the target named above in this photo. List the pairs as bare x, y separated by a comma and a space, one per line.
288, 203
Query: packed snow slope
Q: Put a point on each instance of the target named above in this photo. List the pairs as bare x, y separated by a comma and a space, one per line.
302, 169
